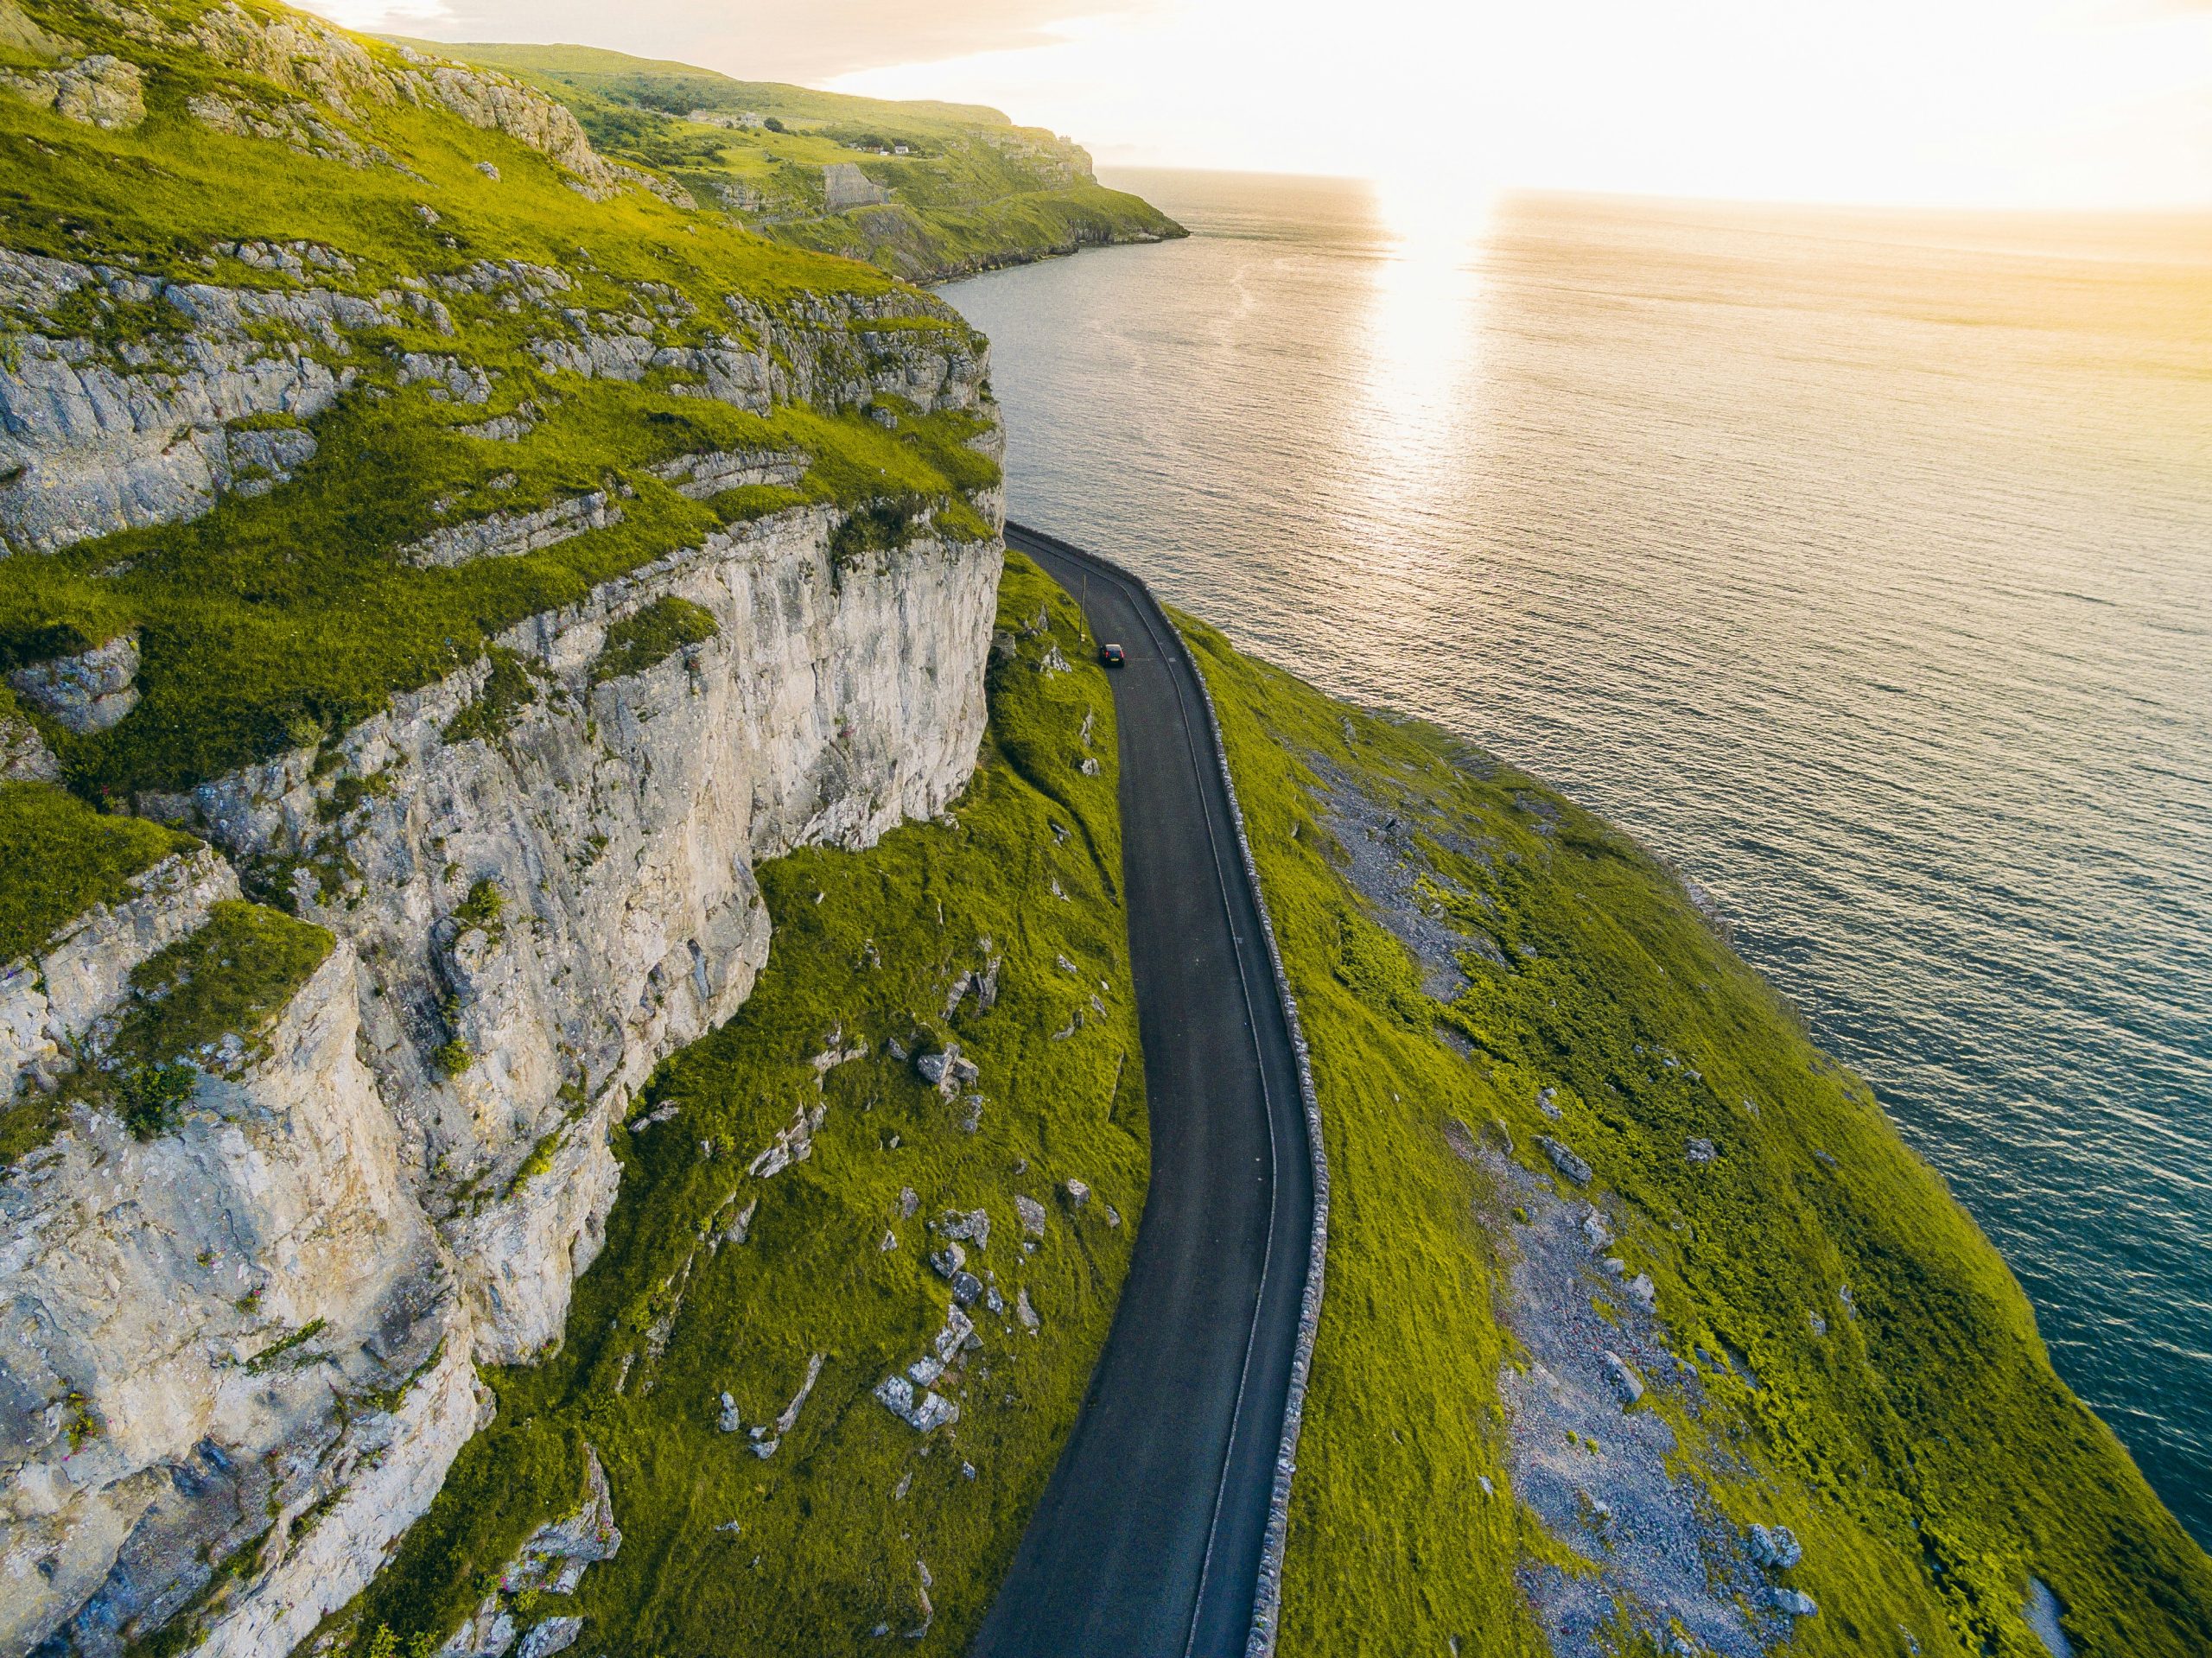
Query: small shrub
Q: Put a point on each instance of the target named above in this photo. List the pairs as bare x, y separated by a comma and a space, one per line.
148, 1097
453, 1058
482, 908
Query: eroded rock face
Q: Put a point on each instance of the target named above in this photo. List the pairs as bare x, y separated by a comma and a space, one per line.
184, 1315
90, 691
419, 1161
50, 1000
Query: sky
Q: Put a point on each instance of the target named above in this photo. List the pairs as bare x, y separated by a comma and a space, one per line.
2095, 104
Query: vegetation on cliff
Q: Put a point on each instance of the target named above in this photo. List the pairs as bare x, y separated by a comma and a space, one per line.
936, 190
58, 857
1825, 1340
438, 365
786, 1182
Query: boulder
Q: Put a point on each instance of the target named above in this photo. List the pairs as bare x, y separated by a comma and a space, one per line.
87, 692
972, 1227
103, 92
1564, 1159
1701, 1151
1078, 1192
946, 1070
1031, 1214
1626, 1384
1794, 1601
554, 1635
1776, 1547
966, 1287
950, 1261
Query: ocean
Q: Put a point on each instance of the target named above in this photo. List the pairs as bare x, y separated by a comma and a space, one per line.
1861, 564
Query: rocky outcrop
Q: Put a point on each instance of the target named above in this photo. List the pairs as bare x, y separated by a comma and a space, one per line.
99, 91
188, 1314
845, 186
699, 476
89, 691
256, 1332
95, 438
93, 441
553, 1557
24, 757
510, 535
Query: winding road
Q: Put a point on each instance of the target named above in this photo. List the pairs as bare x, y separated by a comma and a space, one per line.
1149, 1539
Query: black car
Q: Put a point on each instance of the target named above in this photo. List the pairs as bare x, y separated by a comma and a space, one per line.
1111, 655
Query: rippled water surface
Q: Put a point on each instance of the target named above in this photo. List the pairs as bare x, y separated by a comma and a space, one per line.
1863, 565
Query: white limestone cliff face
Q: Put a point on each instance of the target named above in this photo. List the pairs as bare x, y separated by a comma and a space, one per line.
149, 1427
184, 1315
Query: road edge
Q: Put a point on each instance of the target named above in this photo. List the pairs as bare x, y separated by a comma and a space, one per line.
1267, 1602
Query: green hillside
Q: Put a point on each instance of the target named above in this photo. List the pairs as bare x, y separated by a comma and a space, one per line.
962, 189
1823, 1338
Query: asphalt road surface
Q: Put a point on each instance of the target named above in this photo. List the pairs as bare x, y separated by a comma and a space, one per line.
1147, 1541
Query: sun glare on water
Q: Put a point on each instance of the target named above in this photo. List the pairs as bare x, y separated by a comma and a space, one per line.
1422, 321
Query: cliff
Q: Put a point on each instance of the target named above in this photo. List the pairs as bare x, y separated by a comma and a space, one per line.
926, 191
452, 566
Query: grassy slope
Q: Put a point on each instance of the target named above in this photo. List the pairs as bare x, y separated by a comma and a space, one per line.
977, 192
1925, 1451
274, 618
58, 857
836, 1548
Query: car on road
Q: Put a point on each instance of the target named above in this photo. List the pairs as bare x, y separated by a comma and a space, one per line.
1111, 655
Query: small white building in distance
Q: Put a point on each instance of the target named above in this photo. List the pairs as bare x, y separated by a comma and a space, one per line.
744, 120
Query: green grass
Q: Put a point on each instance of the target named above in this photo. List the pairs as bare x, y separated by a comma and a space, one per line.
1925, 1452
651, 637
58, 857
867, 947
231, 977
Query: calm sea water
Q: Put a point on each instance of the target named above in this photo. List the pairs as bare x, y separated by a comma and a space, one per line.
1862, 564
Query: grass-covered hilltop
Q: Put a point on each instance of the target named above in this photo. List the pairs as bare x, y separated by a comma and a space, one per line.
326, 363
1644, 1332
925, 190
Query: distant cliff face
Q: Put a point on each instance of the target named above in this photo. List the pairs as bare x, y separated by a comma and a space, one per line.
928, 191
490, 573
